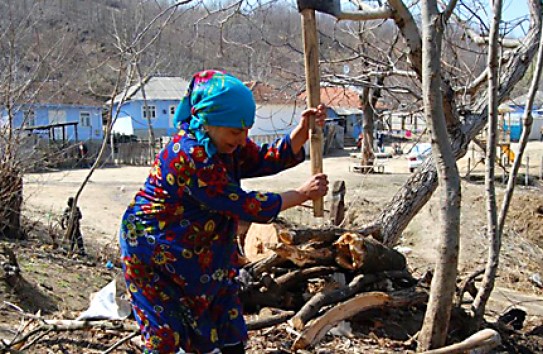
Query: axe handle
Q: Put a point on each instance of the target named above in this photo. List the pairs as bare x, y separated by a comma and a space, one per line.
312, 79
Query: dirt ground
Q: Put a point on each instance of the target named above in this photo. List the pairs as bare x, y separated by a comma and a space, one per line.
110, 189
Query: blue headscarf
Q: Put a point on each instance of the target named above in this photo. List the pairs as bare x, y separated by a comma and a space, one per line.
217, 99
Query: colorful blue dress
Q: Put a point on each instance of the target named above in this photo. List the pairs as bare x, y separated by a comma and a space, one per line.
177, 241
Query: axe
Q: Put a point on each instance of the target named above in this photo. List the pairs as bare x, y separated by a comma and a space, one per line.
307, 9
312, 83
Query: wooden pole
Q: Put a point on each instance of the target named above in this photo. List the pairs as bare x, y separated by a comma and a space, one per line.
312, 78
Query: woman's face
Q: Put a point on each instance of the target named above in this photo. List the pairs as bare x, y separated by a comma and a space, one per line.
227, 139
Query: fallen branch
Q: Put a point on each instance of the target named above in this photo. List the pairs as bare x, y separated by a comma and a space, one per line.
320, 326
73, 325
269, 321
483, 341
121, 342
317, 302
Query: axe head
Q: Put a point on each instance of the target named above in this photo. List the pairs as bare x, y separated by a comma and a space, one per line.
330, 7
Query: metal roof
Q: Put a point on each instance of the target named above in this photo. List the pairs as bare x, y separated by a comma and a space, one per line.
156, 88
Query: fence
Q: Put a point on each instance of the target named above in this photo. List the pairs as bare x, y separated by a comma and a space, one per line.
135, 154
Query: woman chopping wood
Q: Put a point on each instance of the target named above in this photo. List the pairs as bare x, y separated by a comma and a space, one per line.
177, 237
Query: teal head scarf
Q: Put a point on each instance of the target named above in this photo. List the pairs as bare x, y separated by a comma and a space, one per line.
218, 99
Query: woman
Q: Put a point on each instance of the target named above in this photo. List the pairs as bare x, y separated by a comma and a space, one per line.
177, 237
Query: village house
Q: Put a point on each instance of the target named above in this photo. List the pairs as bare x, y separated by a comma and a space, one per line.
511, 117
57, 122
157, 99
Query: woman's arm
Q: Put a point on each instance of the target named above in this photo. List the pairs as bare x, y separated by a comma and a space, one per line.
269, 159
315, 187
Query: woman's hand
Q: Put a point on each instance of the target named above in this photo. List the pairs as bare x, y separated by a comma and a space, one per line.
314, 188
300, 134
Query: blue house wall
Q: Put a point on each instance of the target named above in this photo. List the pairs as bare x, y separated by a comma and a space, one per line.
89, 119
514, 123
162, 122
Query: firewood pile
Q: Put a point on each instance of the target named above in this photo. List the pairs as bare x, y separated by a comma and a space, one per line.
316, 278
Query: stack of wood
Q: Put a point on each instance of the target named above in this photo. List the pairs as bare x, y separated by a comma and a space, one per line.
319, 277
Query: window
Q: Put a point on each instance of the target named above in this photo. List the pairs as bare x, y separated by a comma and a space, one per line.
57, 116
149, 112
29, 117
85, 119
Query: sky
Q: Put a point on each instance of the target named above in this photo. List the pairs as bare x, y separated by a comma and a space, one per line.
513, 9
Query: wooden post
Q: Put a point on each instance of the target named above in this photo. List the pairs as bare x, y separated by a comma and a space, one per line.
337, 209
312, 78
469, 168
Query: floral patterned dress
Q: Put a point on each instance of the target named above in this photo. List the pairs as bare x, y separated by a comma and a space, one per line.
177, 241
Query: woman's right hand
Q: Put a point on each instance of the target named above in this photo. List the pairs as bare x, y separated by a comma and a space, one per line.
315, 187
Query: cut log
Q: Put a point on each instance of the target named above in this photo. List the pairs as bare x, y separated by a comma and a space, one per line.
483, 341
317, 302
256, 239
320, 326
303, 255
299, 276
366, 254
268, 320
304, 235
264, 265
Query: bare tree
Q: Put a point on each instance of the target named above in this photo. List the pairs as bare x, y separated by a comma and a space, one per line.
497, 221
436, 321
490, 188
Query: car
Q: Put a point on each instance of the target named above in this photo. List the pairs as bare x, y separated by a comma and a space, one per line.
418, 154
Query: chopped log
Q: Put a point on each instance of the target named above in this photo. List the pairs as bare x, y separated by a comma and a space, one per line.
269, 320
264, 265
298, 276
367, 254
320, 326
317, 302
337, 208
304, 235
307, 254
256, 239
483, 341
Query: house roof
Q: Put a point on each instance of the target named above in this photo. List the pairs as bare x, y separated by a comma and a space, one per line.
267, 94
156, 88
337, 96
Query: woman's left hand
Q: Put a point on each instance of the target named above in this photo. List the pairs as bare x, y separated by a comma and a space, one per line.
300, 134
320, 116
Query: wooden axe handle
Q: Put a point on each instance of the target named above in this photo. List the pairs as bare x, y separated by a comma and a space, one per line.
312, 78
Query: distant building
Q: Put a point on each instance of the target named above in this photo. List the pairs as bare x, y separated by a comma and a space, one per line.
157, 99
512, 112
60, 122
277, 112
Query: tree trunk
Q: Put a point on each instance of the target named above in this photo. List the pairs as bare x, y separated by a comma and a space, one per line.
367, 128
436, 321
11, 192
493, 233
479, 304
